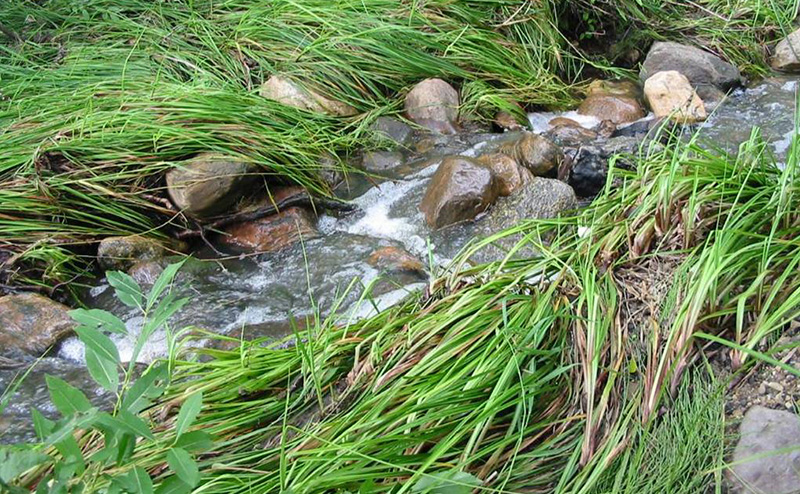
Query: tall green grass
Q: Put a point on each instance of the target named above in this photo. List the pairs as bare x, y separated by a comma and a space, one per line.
547, 374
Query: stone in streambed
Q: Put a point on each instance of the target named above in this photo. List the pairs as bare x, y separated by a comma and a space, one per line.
393, 130
120, 253
271, 233
700, 67
382, 161
540, 198
506, 171
31, 323
617, 101
670, 94
460, 190
757, 466
539, 155
433, 104
283, 90
207, 184
395, 259
787, 54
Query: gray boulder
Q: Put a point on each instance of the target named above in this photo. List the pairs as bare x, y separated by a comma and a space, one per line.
433, 104
120, 253
460, 190
757, 468
700, 67
393, 130
382, 161
787, 54
207, 184
31, 323
540, 198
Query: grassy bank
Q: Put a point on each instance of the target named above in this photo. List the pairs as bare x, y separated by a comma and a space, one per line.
100, 97
564, 373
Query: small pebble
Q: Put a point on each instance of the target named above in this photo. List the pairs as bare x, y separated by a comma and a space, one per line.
762, 389
775, 386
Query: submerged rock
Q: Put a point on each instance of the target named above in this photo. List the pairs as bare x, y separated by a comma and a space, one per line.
271, 233
539, 155
31, 323
393, 129
146, 272
700, 67
506, 171
382, 161
616, 101
284, 90
540, 198
670, 94
787, 54
757, 466
120, 253
460, 190
433, 104
395, 259
207, 184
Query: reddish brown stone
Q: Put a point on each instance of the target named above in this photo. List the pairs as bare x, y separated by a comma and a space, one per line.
31, 323
271, 233
395, 259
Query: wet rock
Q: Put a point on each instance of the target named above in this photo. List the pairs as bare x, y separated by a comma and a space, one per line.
670, 94
700, 67
433, 104
539, 155
395, 259
566, 134
286, 91
564, 122
382, 161
787, 54
540, 198
506, 171
330, 170
460, 190
589, 169
146, 272
605, 129
507, 121
271, 233
711, 97
208, 184
120, 253
763, 431
31, 323
393, 129
616, 101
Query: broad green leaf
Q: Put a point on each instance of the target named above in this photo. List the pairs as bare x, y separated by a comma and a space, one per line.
164, 280
100, 343
103, 371
173, 485
136, 398
135, 424
99, 319
196, 441
72, 462
183, 465
127, 290
189, 410
64, 428
67, 399
139, 477
41, 425
455, 482
166, 309
14, 460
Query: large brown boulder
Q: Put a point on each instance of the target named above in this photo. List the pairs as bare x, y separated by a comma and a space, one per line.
120, 253
539, 155
670, 94
460, 190
700, 67
787, 54
286, 91
433, 104
207, 184
617, 101
31, 323
271, 233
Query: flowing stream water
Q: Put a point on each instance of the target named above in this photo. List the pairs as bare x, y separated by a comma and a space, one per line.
257, 296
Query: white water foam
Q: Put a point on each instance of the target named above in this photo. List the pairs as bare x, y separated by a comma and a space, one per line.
540, 121
789, 86
782, 145
370, 307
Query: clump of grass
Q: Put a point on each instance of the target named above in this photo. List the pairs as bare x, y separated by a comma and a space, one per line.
539, 374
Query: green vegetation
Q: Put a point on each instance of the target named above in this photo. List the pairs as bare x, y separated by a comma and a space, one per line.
544, 374
99, 97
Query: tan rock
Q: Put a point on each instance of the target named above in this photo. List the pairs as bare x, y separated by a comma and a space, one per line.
288, 92
506, 171
207, 184
564, 122
536, 153
618, 109
787, 54
31, 323
460, 190
395, 259
271, 233
433, 104
670, 93
120, 253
